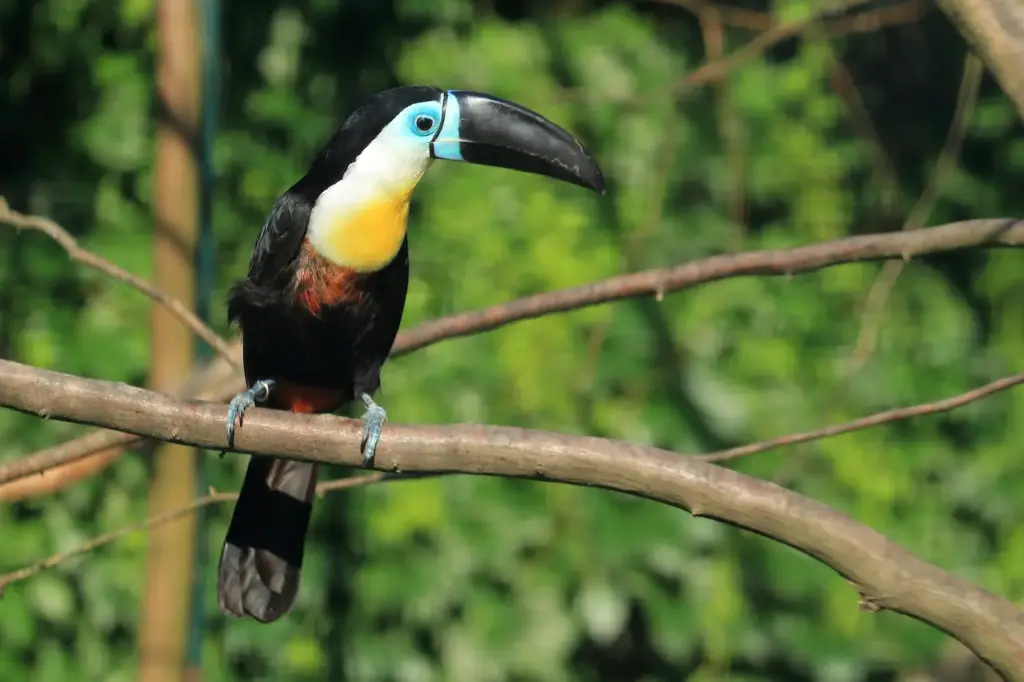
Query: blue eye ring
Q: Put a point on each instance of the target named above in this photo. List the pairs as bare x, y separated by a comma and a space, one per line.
423, 124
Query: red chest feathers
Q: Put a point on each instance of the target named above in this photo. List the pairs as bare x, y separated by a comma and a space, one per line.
320, 283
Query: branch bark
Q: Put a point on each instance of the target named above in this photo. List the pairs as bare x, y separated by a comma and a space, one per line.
886, 575
995, 29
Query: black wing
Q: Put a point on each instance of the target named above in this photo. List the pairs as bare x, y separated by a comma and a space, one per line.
274, 256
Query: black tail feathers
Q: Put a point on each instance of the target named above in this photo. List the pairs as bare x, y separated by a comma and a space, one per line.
261, 559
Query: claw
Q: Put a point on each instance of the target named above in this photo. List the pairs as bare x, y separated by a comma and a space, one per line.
373, 422
259, 392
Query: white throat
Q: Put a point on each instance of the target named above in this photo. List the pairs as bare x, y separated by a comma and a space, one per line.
359, 222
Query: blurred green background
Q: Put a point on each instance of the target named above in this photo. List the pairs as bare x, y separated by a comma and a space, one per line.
462, 579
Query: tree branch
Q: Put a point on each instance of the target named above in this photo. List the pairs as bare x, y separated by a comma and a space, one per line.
945, 164
99, 448
780, 262
995, 29
715, 70
55, 479
213, 497
219, 382
381, 477
885, 574
877, 419
90, 259
862, 22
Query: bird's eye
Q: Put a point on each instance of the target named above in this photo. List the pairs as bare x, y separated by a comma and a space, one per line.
424, 124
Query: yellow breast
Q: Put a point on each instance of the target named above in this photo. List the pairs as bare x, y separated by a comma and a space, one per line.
368, 238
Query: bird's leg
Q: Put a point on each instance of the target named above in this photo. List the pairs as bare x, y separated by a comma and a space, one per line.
259, 392
373, 422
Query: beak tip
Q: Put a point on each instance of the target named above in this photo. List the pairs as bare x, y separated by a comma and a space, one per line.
595, 178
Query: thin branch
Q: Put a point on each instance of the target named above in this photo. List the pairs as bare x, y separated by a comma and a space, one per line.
730, 127
949, 156
860, 121
863, 22
53, 480
161, 519
217, 383
875, 20
897, 414
886, 575
106, 538
878, 294
90, 259
718, 69
779, 262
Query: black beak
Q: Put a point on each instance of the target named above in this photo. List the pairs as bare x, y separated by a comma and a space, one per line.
486, 130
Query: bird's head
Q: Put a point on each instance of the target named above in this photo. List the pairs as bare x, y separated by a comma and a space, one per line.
361, 182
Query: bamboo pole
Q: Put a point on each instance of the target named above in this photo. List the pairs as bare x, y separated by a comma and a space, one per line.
166, 605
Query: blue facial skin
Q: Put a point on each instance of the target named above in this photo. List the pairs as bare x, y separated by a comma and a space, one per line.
421, 120
419, 124
447, 143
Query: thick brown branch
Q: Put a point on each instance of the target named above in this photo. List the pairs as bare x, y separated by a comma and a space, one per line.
98, 449
885, 574
220, 382
995, 29
90, 259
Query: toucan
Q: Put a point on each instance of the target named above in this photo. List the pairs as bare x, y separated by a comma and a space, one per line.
323, 298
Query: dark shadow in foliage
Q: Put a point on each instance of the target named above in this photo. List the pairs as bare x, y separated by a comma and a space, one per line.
631, 657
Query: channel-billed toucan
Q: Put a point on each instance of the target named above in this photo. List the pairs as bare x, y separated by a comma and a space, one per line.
321, 305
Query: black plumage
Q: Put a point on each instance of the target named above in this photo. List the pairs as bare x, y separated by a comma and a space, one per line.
322, 333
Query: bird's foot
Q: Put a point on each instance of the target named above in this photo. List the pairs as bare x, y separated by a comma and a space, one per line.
259, 392
373, 422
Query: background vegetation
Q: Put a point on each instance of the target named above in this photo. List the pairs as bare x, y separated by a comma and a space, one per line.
829, 133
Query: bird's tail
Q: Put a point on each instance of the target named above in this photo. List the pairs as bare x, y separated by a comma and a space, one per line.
262, 554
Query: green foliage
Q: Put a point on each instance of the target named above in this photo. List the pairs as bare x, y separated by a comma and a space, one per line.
467, 578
